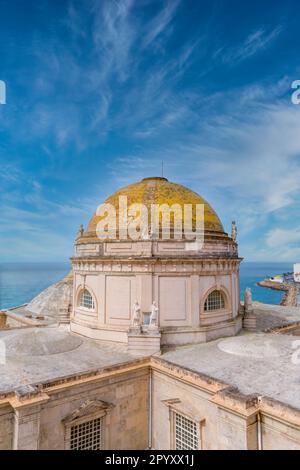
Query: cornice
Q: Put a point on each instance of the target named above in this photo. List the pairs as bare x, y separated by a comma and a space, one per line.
206, 266
222, 394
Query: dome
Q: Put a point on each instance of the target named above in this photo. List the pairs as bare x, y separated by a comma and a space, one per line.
55, 301
158, 190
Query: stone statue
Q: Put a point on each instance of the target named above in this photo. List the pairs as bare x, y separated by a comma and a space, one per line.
233, 231
136, 315
80, 231
154, 315
248, 299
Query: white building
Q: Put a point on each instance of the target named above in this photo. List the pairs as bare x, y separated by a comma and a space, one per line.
297, 272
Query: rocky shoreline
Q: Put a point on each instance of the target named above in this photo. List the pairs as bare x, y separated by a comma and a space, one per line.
289, 298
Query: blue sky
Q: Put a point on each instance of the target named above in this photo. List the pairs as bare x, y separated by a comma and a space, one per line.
99, 92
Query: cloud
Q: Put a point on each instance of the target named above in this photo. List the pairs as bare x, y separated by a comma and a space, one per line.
160, 22
240, 162
248, 155
42, 229
113, 93
113, 35
280, 242
75, 100
74, 21
254, 43
9, 173
279, 237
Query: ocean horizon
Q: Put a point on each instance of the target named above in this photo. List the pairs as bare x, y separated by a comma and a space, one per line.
20, 282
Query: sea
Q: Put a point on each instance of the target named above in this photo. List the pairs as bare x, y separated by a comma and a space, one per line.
20, 282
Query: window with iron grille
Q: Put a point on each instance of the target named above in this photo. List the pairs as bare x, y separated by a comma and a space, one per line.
86, 300
214, 301
186, 433
87, 435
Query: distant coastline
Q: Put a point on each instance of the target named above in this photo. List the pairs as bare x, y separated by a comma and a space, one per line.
252, 272
20, 282
290, 297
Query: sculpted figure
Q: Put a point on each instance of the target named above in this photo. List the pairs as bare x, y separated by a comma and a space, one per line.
233, 231
136, 314
154, 315
248, 299
80, 231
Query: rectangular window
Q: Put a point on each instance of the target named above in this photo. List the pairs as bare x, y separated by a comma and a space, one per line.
186, 433
87, 436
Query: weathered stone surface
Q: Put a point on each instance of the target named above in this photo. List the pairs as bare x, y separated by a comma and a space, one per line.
255, 363
2, 320
215, 384
55, 301
144, 344
40, 354
269, 316
52, 305
40, 342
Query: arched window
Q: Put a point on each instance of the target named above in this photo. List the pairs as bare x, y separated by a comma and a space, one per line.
214, 301
86, 300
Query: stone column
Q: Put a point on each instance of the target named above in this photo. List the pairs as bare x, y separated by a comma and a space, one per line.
27, 428
237, 420
27, 409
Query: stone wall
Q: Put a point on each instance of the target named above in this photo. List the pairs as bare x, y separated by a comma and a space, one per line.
39, 423
226, 418
6, 427
280, 426
219, 428
190, 402
127, 420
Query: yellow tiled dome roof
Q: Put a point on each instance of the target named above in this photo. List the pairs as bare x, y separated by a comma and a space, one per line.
158, 190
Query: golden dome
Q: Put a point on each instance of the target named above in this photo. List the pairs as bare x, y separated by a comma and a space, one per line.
158, 190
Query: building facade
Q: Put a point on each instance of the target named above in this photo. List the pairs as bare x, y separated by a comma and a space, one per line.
148, 403
70, 377
195, 286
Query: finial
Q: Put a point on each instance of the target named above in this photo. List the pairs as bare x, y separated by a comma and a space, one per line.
233, 230
80, 231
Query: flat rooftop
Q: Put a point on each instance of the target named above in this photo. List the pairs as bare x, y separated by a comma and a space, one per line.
274, 316
30, 356
266, 364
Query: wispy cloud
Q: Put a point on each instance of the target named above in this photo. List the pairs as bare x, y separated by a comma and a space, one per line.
116, 87
280, 237
160, 22
254, 43
242, 159
113, 35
